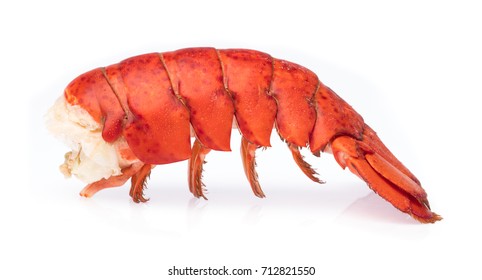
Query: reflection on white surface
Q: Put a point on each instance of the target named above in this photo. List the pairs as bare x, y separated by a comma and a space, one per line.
173, 211
373, 207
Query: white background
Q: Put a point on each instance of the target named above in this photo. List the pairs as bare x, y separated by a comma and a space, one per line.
412, 69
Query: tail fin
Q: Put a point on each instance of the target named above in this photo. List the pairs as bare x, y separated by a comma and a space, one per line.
375, 164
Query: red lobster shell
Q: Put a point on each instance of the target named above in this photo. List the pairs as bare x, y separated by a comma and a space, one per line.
149, 106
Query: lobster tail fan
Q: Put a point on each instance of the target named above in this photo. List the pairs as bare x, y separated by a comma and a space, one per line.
372, 161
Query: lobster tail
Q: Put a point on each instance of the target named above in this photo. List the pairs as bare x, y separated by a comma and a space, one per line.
147, 108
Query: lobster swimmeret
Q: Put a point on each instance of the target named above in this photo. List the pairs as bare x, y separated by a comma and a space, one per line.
124, 119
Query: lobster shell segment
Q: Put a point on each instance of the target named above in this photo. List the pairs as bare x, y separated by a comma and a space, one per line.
247, 77
197, 78
334, 117
157, 129
293, 88
94, 94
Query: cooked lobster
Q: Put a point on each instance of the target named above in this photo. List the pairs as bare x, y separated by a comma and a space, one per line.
124, 119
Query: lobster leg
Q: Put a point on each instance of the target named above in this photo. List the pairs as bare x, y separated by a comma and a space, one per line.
139, 182
196, 162
372, 162
304, 166
114, 181
249, 163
